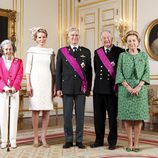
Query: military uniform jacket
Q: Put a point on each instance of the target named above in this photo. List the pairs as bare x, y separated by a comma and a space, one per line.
104, 83
67, 79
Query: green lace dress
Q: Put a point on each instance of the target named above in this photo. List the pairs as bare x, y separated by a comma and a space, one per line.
132, 69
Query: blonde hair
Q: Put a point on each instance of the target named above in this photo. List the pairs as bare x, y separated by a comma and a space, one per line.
36, 30
132, 32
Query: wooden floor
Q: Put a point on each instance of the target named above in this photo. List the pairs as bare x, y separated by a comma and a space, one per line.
26, 123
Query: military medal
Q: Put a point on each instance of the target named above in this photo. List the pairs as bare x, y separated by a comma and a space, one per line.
113, 63
84, 89
82, 64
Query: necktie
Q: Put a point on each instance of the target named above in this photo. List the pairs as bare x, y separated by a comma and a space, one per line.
107, 51
74, 49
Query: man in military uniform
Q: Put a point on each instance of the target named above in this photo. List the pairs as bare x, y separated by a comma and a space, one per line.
104, 93
73, 83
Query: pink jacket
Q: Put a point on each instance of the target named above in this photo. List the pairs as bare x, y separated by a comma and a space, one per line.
14, 74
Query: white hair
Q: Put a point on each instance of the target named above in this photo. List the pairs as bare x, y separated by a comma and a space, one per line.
108, 31
73, 29
5, 42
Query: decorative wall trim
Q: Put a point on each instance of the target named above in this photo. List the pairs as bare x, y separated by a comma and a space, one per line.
121, 15
110, 25
127, 10
133, 14
10, 23
15, 8
88, 4
91, 20
92, 3
70, 12
153, 77
15, 5
21, 28
87, 29
106, 11
99, 26
59, 23
136, 15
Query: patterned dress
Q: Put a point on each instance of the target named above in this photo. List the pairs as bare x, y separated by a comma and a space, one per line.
38, 66
132, 69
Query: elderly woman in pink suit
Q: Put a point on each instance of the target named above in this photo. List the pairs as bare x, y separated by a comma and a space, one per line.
11, 73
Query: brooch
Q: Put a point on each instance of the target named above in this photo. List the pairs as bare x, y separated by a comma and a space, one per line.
113, 63
82, 64
15, 60
82, 56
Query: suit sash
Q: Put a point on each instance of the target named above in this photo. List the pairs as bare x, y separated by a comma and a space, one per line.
107, 64
74, 64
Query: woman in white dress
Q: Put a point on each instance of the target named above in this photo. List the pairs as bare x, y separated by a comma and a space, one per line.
40, 82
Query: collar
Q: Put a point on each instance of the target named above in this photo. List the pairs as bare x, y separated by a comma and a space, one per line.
6, 60
105, 48
72, 46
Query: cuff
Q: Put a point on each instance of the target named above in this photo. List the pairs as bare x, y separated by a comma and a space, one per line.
6, 88
13, 90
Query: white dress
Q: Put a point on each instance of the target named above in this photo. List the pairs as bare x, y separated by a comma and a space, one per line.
38, 66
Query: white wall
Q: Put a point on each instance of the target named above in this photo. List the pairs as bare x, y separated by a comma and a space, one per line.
42, 13
147, 12
6, 4
33, 13
57, 19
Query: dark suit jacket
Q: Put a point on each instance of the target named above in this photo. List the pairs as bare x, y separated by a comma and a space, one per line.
67, 79
104, 83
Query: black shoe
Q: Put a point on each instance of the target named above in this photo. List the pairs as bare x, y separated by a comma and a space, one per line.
80, 145
112, 147
67, 145
95, 145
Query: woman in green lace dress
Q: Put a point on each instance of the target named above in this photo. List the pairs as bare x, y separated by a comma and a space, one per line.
132, 78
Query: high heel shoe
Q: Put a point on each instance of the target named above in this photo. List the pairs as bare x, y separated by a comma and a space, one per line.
128, 149
45, 144
136, 149
36, 145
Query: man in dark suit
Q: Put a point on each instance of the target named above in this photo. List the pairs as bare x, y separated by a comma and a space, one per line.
104, 92
73, 83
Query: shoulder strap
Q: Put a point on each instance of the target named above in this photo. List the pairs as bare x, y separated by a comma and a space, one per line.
107, 64
74, 64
